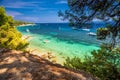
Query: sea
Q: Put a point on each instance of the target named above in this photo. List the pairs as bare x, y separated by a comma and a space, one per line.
63, 40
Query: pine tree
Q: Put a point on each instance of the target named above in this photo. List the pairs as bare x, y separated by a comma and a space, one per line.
10, 38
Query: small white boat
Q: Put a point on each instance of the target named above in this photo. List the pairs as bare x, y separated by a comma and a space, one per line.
28, 30
74, 28
91, 34
46, 41
86, 29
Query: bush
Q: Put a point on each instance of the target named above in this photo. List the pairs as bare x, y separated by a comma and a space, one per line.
104, 63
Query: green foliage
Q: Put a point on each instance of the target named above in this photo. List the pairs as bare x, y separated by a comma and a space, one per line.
84, 11
3, 17
104, 63
73, 63
111, 31
102, 33
81, 11
17, 23
10, 38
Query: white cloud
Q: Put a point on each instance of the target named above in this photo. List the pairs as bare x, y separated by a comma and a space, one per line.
61, 2
40, 19
20, 4
51, 19
28, 18
13, 13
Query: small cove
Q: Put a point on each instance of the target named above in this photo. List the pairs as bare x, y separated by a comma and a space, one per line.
61, 40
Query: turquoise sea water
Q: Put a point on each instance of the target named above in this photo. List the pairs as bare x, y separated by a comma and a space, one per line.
61, 39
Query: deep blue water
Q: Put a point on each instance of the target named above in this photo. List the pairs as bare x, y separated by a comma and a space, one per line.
65, 32
62, 40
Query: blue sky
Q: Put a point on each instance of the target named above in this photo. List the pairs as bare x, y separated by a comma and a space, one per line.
39, 11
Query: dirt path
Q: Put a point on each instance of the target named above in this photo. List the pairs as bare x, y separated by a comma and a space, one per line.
15, 65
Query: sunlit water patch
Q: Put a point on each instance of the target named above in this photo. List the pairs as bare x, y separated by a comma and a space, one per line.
61, 40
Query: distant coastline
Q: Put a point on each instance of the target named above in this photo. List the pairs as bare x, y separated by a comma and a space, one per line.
22, 25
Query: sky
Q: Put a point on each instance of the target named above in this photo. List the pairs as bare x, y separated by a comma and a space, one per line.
38, 11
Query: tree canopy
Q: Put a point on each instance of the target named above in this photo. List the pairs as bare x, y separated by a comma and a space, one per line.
10, 38
105, 62
86, 10
83, 11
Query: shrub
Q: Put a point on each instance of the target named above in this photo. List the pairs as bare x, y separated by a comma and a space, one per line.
104, 63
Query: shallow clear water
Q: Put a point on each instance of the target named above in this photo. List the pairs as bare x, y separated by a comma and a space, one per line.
61, 39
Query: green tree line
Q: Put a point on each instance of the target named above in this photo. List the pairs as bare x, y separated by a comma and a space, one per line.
18, 22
